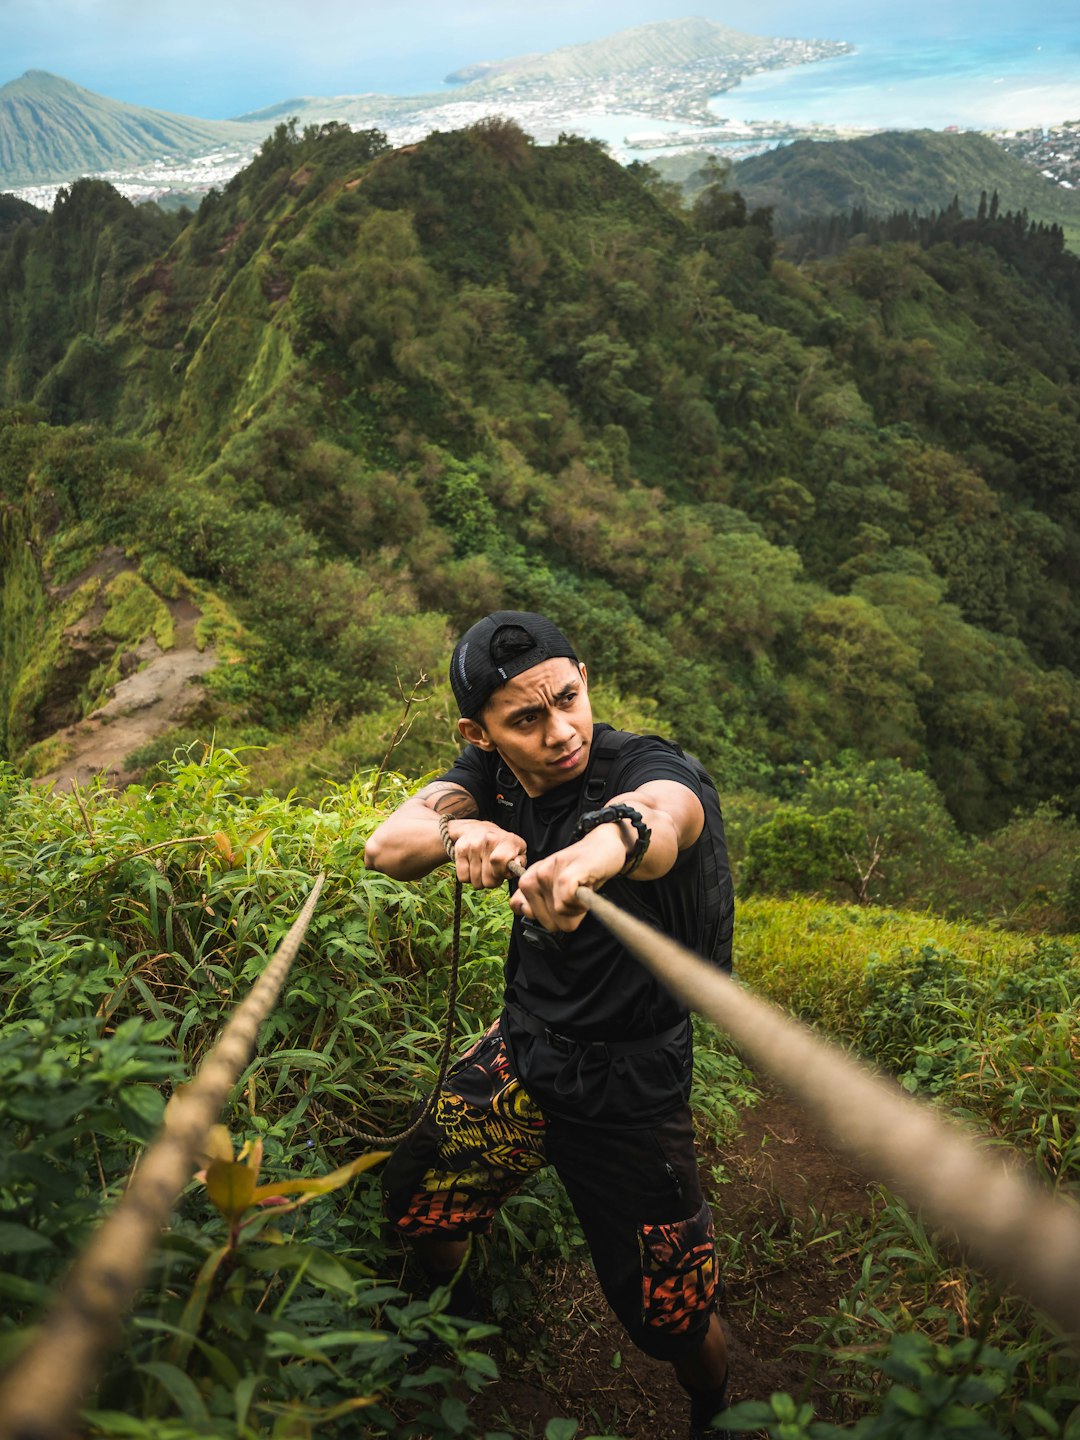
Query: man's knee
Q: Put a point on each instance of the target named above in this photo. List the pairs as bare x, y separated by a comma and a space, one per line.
430, 1203
679, 1286
434, 1188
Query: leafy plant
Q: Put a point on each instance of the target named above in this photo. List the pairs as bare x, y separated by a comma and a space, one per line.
134, 923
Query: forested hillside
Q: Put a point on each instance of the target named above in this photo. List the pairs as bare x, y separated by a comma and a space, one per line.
801, 518
900, 170
14, 211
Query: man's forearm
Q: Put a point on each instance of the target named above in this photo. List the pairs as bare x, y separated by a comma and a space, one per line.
675, 817
409, 844
406, 846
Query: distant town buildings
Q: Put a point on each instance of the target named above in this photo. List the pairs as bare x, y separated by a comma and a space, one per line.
1055, 153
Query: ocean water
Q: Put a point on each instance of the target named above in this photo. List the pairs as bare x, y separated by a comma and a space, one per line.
983, 78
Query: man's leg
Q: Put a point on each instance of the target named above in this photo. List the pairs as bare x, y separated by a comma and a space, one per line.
443, 1262
704, 1376
650, 1233
481, 1141
706, 1369
442, 1255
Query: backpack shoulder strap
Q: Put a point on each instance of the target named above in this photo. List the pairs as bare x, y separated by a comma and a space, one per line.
605, 749
509, 796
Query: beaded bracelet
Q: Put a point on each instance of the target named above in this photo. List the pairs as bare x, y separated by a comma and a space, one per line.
592, 818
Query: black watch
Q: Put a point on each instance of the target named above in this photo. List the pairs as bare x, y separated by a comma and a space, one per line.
610, 813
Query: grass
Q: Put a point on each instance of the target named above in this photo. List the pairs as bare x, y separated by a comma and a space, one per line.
812, 956
133, 611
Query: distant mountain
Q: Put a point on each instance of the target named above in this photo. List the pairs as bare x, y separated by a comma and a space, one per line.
52, 129
899, 170
670, 44
668, 69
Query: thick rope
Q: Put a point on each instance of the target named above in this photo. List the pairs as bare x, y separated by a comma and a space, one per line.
41, 1393
1014, 1228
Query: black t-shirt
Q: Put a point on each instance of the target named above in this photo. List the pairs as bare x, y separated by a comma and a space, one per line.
593, 988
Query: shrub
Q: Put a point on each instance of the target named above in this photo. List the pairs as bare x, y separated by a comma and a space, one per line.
797, 851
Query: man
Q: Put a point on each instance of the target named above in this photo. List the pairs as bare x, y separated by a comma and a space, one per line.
588, 1067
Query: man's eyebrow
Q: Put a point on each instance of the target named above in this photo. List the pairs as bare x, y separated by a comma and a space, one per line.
528, 709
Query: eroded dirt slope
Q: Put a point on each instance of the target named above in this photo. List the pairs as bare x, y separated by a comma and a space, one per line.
159, 689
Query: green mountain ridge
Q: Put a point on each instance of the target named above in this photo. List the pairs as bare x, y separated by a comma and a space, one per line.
14, 211
365, 394
53, 129
899, 170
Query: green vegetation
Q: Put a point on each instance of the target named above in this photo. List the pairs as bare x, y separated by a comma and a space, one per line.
117, 978
919, 170
120, 963
986, 1025
818, 521
14, 211
880, 832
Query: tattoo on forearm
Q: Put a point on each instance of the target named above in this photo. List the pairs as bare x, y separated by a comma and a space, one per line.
451, 801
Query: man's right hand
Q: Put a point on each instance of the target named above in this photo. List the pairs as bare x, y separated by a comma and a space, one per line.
483, 852
408, 844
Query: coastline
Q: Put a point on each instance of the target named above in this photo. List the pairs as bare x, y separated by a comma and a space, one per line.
916, 85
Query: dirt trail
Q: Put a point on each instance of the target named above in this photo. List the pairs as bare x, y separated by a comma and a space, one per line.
776, 1170
160, 691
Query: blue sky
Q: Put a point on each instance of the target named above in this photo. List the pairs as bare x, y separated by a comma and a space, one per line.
218, 58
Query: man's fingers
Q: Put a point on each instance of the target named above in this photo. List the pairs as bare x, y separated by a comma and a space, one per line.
499, 862
484, 864
469, 867
550, 897
521, 906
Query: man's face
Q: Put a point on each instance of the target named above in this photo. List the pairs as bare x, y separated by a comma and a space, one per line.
540, 723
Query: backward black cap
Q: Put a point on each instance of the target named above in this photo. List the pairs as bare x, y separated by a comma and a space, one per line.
526, 640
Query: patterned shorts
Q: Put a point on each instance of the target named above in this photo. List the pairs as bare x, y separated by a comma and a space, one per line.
636, 1193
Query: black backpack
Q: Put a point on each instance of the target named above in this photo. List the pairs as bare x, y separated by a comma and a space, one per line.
718, 899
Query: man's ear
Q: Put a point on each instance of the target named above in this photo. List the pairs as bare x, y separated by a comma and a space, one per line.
473, 733
584, 675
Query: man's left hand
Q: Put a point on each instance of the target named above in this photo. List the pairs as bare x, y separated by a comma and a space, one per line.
547, 891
